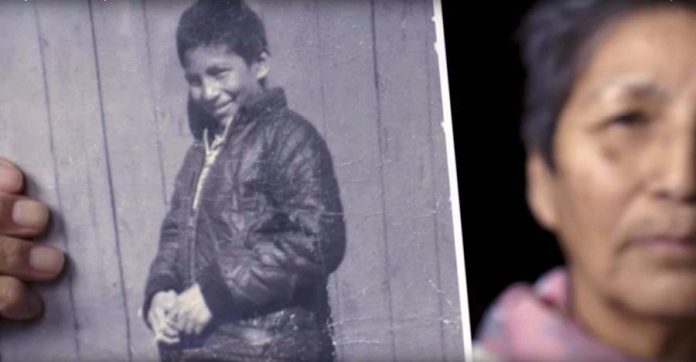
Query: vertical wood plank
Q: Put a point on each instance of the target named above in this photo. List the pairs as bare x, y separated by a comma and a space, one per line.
449, 284
82, 179
25, 128
400, 28
350, 111
135, 167
168, 86
293, 36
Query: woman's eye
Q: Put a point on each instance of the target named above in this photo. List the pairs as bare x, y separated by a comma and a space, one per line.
632, 118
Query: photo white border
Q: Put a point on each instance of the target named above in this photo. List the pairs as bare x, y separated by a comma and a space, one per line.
447, 127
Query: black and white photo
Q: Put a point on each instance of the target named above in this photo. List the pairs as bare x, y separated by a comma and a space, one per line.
256, 180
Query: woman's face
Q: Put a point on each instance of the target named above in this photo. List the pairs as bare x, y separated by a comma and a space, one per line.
623, 198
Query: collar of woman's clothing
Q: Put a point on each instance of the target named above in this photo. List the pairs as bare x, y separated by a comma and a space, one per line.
534, 323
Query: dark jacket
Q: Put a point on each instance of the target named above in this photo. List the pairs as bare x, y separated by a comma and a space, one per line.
272, 190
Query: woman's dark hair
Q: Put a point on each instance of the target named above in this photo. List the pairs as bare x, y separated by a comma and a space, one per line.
556, 37
222, 22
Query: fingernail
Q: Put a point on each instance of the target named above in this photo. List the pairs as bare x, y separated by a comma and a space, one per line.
29, 213
46, 260
8, 177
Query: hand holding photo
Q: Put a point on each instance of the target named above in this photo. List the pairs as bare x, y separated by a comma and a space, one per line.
238, 180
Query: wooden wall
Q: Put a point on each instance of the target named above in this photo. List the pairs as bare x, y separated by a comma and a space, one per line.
92, 102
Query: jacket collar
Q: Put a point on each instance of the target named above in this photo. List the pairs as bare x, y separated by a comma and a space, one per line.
265, 102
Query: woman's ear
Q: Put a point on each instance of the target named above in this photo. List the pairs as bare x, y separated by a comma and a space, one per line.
262, 66
541, 188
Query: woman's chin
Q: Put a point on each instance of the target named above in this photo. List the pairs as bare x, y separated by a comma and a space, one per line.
662, 295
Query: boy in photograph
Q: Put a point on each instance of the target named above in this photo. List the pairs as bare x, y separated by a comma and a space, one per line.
255, 224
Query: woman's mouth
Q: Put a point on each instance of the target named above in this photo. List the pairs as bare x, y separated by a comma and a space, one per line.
668, 246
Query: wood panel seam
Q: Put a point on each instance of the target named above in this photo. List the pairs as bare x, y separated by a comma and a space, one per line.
381, 174
49, 119
110, 180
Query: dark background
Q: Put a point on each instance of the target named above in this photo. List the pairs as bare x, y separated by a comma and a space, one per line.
502, 242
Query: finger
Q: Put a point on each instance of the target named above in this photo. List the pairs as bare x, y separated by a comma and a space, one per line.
173, 312
169, 303
180, 320
169, 330
161, 316
29, 261
155, 317
11, 179
181, 325
21, 216
198, 327
17, 301
189, 325
169, 326
170, 320
168, 340
166, 337
183, 322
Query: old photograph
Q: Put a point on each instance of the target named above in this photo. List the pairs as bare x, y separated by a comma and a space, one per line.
235, 180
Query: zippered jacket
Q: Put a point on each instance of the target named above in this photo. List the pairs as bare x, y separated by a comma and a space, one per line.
266, 233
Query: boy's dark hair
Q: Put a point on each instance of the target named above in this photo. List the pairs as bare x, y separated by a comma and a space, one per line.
222, 22
557, 37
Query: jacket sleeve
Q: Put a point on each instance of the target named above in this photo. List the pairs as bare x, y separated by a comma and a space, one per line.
297, 247
162, 275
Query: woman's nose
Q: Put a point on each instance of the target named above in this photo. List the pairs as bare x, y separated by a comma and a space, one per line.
677, 165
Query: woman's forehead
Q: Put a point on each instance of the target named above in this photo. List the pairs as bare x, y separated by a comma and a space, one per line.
644, 54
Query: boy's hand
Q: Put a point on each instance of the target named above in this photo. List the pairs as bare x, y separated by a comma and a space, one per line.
192, 314
21, 260
160, 316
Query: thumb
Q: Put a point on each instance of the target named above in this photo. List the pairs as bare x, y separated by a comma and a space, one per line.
155, 316
171, 300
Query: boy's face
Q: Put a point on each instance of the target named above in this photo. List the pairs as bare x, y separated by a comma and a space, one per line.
220, 81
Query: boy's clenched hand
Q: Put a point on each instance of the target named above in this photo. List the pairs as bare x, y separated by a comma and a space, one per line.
161, 317
192, 315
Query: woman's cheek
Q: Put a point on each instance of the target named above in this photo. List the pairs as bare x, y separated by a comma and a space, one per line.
609, 185
595, 199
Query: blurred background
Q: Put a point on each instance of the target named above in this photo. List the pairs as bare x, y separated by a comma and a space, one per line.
502, 243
